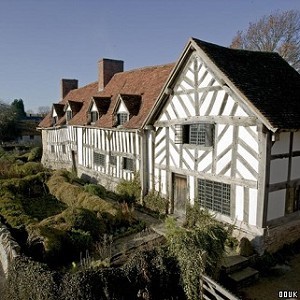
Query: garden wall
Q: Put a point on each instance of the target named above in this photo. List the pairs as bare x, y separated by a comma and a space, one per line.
9, 248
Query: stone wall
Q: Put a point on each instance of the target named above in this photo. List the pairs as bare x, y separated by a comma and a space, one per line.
9, 248
276, 237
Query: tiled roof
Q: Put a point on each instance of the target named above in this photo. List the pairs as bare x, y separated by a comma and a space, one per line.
146, 82
102, 104
132, 102
266, 80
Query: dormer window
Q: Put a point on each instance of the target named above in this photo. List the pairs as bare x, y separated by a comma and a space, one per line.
94, 116
68, 115
71, 109
57, 113
126, 107
97, 108
122, 118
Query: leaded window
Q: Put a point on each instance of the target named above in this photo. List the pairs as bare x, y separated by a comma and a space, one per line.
113, 160
52, 149
214, 195
194, 134
122, 118
68, 115
99, 159
64, 149
94, 116
128, 164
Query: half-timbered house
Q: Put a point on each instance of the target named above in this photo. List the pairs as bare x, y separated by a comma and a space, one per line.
226, 138
96, 130
220, 130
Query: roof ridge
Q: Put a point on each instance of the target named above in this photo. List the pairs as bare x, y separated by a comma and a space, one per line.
146, 67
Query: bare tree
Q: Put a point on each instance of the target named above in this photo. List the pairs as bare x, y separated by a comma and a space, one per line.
44, 110
278, 32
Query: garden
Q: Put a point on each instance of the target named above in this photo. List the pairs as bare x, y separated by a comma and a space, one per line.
68, 231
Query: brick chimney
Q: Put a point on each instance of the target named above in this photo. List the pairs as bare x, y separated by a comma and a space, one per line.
68, 85
107, 68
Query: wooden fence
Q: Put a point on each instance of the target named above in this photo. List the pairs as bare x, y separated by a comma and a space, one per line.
211, 290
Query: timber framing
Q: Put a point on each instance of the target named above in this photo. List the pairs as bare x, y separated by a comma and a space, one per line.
215, 117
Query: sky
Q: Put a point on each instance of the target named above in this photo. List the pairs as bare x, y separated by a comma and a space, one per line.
43, 41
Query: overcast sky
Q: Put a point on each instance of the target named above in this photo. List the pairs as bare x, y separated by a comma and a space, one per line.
42, 42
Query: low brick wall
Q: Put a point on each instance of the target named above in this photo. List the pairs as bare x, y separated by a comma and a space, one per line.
276, 237
9, 248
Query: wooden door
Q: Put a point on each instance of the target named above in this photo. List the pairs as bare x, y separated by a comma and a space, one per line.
179, 194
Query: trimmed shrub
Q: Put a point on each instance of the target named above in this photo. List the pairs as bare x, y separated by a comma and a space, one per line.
35, 154
86, 220
129, 191
95, 189
154, 274
31, 280
75, 196
104, 284
156, 203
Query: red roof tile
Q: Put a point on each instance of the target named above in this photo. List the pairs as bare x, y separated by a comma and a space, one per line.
146, 82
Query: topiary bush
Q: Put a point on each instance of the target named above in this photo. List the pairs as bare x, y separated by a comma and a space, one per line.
35, 154
96, 189
129, 191
156, 203
28, 279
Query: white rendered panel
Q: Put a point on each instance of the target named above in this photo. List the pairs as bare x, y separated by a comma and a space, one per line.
240, 112
122, 108
79, 145
239, 203
228, 107
295, 168
191, 189
248, 157
163, 182
245, 173
94, 107
226, 140
225, 160
278, 170
282, 145
276, 205
205, 162
252, 206
180, 111
296, 141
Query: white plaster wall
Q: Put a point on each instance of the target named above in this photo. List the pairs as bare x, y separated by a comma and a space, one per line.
239, 203
94, 107
79, 145
122, 108
278, 170
296, 141
295, 168
276, 205
282, 145
252, 206
191, 189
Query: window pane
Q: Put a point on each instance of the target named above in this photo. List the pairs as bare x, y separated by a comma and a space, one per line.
113, 160
94, 116
99, 159
214, 196
122, 118
197, 134
128, 164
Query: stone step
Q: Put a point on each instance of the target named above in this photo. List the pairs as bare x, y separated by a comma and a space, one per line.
243, 277
234, 263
